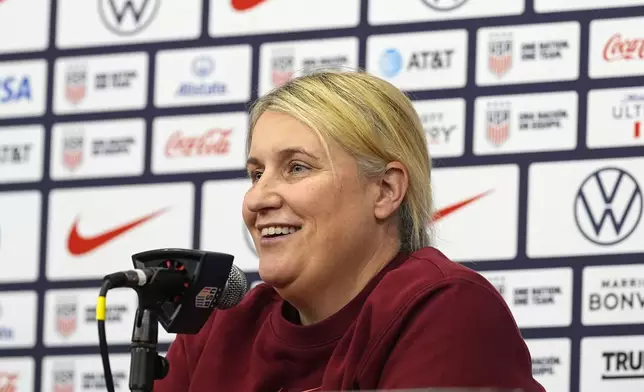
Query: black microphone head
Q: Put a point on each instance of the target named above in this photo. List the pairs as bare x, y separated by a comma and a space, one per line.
235, 290
213, 282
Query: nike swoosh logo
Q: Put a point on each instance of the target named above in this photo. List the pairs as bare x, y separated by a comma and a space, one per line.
77, 244
443, 212
244, 5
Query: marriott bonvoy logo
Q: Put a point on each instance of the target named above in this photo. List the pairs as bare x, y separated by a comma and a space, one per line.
613, 294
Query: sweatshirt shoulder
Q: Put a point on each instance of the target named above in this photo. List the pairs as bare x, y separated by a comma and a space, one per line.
429, 266
426, 276
433, 313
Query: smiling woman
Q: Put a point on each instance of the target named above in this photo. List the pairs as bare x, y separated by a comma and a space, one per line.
354, 295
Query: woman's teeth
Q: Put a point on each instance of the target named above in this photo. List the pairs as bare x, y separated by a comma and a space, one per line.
278, 230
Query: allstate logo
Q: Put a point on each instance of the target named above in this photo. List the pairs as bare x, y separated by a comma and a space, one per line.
390, 63
444, 5
203, 66
608, 206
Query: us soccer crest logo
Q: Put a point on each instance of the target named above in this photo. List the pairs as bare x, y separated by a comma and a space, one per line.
63, 377
282, 67
66, 317
75, 83
73, 150
498, 124
500, 54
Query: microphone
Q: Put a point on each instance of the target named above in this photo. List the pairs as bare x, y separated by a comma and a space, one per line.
173, 282
177, 288
183, 286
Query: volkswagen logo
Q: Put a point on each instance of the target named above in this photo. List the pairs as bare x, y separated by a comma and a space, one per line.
608, 206
444, 5
127, 17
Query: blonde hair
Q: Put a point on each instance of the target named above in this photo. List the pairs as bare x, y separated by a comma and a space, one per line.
375, 123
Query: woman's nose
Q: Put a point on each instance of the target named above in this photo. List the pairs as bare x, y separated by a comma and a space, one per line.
263, 195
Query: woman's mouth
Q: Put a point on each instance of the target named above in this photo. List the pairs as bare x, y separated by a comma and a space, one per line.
273, 233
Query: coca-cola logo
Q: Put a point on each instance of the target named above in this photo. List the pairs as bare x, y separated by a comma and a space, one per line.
619, 48
212, 142
8, 382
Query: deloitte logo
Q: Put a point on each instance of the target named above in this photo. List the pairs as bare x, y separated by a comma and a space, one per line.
390, 63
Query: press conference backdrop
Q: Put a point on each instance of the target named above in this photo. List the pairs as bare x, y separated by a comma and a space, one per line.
122, 129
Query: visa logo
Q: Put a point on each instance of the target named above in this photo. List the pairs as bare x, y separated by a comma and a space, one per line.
12, 89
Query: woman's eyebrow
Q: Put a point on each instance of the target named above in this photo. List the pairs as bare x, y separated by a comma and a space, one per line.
283, 153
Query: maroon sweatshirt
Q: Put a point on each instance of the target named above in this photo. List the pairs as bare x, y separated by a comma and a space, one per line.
423, 321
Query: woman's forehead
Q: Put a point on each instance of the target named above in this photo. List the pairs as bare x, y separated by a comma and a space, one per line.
278, 131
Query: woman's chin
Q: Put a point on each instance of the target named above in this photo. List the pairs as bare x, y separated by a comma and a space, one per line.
275, 275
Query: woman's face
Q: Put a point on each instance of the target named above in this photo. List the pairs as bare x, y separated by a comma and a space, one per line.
307, 225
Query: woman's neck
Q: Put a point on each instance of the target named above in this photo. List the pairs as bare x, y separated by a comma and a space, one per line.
326, 299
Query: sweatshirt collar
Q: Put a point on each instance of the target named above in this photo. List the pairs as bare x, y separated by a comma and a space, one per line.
332, 328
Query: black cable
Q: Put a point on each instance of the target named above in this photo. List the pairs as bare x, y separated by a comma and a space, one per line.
102, 339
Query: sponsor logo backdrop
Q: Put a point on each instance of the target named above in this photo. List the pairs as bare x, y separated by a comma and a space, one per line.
122, 128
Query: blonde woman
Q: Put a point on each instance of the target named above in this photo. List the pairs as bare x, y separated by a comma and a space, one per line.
354, 294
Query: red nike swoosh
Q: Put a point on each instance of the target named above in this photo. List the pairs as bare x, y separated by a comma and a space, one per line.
443, 212
243, 5
78, 244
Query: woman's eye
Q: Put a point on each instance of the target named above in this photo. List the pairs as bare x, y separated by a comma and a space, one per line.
296, 167
255, 175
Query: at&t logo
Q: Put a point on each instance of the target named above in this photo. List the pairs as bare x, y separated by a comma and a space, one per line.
391, 63
608, 206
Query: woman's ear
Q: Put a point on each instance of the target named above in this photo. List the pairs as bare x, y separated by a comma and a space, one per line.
392, 188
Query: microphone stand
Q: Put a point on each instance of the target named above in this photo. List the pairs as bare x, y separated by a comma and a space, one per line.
146, 364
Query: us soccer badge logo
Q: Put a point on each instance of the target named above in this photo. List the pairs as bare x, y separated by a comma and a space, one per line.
282, 67
500, 54
498, 123
66, 316
73, 149
75, 83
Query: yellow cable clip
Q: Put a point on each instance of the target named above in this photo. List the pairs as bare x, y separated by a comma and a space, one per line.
100, 308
